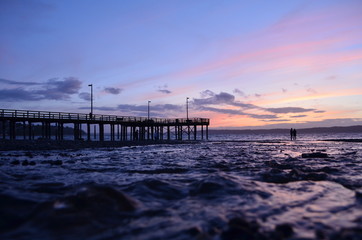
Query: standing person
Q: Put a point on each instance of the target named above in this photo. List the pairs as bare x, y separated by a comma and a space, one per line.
291, 134
295, 134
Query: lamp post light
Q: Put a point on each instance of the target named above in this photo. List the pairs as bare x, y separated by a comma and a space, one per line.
91, 113
148, 110
187, 108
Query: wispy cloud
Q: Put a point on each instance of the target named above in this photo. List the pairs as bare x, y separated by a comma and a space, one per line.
11, 82
290, 110
299, 116
165, 91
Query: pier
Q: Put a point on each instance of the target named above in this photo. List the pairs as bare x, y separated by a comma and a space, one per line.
20, 124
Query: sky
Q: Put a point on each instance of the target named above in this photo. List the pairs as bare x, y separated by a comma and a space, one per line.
243, 64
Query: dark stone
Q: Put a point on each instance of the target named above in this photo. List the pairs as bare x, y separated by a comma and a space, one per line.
15, 162
56, 162
29, 154
284, 230
315, 155
348, 234
239, 228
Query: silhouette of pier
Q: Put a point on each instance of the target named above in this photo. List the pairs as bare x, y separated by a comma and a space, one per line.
17, 124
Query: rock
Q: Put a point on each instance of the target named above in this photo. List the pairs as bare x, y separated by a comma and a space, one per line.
239, 228
29, 155
315, 155
56, 162
284, 230
15, 162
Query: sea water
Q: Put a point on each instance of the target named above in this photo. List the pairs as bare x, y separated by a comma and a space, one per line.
230, 187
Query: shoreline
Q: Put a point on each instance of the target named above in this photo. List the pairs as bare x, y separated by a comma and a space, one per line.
343, 140
26, 145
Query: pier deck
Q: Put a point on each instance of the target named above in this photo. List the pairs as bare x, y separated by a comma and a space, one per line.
15, 123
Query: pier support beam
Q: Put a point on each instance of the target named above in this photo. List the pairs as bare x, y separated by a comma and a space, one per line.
3, 123
195, 132
88, 132
101, 132
207, 132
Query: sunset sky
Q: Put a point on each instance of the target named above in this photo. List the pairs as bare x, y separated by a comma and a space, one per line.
243, 64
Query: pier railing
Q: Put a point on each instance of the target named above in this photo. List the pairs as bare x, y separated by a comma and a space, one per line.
63, 116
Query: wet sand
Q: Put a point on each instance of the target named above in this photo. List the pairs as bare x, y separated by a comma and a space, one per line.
7, 145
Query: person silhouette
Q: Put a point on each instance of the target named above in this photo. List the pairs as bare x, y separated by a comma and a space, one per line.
291, 134
295, 134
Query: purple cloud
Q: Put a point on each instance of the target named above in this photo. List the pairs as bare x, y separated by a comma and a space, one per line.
112, 90
53, 89
289, 110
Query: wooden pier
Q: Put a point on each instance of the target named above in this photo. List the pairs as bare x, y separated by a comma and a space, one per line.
98, 127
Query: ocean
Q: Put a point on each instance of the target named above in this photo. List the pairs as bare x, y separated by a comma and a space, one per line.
229, 187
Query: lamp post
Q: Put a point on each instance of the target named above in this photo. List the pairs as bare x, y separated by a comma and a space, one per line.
187, 108
91, 113
148, 110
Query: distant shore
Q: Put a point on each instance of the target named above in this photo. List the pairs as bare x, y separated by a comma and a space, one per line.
28, 145
343, 140
316, 130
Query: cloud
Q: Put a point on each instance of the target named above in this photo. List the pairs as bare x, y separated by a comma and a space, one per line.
299, 116
53, 89
335, 122
310, 124
167, 108
210, 100
237, 112
129, 108
158, 110
85, 96
163, 89
289, 110
60, 89
11, 82
263, 116
239, 92
18, 94
106, 109
276, 120
222, 110
112, 90
207, 93
311, 90
221, 98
